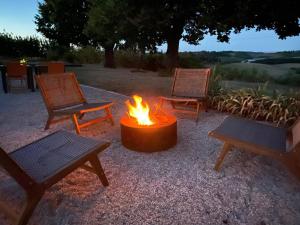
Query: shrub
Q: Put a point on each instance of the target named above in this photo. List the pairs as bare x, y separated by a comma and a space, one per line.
292, 79
127, 59
88, 54
154, 62
279, 60
17, 46
254, 104
248, 75
189, 60
214, 87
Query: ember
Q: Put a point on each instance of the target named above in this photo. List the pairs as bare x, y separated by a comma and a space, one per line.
143, 130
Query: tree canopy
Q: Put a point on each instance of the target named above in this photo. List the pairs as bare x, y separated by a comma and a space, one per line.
63, 21
150, 23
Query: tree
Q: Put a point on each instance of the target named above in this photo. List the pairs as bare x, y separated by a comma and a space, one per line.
104, 26
63, 21
191, 20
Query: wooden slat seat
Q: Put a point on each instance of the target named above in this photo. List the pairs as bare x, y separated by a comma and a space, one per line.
256, 134
47, 156
260, 138
41, 164
183, 99
87, 107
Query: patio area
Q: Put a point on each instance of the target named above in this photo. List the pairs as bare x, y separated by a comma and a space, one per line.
178, 186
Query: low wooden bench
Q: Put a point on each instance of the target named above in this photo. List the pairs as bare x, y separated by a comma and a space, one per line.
41, 164
278, 143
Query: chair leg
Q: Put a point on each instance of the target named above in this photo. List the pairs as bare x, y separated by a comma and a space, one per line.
159, 106
25, 83
225, 150
173, 105
9, 85
75, 121
32, 201
109, 115
47, 126
95, 162
81, 115
197, 112
205, 106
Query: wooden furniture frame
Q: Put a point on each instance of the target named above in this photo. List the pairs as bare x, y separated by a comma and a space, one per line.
16, 71
189, 91
63, 98
56, 67
41, 164
262, 139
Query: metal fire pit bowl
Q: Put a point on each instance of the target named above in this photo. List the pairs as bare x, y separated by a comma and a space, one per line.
158, 137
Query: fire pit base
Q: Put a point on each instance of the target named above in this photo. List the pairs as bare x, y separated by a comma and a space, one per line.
153, 138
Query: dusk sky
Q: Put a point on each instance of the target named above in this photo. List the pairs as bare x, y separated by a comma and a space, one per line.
17, 17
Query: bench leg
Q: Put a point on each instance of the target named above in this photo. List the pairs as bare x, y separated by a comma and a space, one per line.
47, 126
225, 150
99, 170
32, 201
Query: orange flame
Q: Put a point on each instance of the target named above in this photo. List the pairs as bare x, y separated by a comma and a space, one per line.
139, 111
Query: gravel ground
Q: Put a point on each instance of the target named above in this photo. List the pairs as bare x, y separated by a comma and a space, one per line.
178, 186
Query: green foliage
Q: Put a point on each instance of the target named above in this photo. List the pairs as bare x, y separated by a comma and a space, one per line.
214, 83
248, 75
130, 59
63, 21
279, 60
296, 70
127, 59
190, 60
292, 79
16, 46
104, 25
155, 61
254, 104
86, 54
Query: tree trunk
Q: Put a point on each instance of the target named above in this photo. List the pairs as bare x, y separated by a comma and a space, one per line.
172, 52
109, 60
142, 54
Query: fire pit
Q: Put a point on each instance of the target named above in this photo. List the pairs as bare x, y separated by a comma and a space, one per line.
145, 131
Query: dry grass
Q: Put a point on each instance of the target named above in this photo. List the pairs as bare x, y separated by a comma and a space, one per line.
123, 80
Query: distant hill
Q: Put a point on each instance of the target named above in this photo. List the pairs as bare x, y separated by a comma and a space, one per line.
240, 56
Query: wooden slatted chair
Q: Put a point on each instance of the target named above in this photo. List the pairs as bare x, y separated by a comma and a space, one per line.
56, 67
16, 71
190, 87
41, 164
63, 98
259, 138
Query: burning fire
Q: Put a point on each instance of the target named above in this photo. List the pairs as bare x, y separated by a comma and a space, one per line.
140, 111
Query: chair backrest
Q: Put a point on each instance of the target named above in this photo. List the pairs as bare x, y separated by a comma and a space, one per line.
15, 171
16, 70
60, 90
191, 82
56, 67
